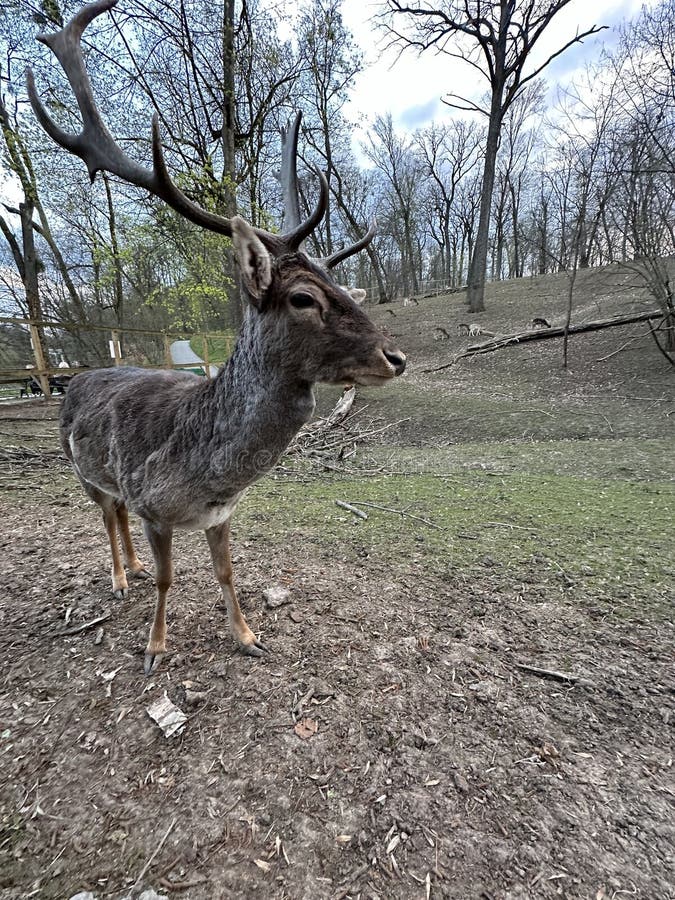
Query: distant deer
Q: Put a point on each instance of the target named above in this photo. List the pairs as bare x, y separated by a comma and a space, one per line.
176, 449
474, 329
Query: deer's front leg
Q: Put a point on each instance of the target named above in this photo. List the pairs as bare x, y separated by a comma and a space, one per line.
219, 544
159, 537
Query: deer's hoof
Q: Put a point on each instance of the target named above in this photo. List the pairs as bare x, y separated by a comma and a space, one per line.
150, 662
141, 573
254, 648
120, 593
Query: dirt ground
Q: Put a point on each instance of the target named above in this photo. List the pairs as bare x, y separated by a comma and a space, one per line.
395, 742
437, 767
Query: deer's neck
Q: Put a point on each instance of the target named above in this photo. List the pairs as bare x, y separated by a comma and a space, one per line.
257, 401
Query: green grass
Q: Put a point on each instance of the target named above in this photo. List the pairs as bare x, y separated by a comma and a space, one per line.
623, 459
611, 536
219, 347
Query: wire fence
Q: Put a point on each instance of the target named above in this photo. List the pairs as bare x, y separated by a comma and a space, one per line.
37, 356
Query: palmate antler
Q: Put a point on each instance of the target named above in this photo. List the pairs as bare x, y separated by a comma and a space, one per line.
97, 148
289, 186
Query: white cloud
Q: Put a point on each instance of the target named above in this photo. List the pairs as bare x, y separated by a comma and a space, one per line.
411, 86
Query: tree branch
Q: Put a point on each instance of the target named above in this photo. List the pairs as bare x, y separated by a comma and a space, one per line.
546, 334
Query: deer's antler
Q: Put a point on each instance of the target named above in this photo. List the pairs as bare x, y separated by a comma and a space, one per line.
289, 187
97, 148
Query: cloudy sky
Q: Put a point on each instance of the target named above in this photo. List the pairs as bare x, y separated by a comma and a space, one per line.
411, 86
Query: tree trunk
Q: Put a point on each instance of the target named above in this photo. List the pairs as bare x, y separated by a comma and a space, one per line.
543, 240
114, 246
30, 283
478, 266
229, 162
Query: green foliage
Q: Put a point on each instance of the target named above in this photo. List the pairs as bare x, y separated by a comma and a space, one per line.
218, 347
198, 294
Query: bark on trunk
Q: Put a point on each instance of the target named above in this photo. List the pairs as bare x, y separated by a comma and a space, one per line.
477, 269
229, 163
31, 287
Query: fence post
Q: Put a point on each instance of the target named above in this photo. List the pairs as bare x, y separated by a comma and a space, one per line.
115, 348
40, 362
205, 354
168, 362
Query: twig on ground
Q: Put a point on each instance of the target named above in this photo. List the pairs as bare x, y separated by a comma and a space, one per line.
399, 512
619, 349
299, 707
506, 525
352, 509
556, 676
181, 885
77, 629
139, 880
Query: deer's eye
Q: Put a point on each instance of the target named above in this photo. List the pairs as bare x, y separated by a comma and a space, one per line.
302, 300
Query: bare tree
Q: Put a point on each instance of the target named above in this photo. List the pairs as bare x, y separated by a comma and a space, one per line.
450, 153
496, 39
395, 159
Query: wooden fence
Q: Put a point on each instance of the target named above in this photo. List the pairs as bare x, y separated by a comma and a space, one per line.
42, 369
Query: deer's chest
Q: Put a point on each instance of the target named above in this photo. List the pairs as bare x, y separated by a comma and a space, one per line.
210, 516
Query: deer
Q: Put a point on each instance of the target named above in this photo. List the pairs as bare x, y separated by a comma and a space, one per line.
473, 329
181, 451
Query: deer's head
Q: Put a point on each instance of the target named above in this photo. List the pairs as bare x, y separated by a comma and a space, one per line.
321, 331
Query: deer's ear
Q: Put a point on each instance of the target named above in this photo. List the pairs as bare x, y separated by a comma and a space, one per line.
358, 295
253, 258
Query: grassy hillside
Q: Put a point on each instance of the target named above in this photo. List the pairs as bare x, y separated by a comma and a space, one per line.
574, 465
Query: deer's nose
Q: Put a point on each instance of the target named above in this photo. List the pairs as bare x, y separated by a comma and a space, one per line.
397, 359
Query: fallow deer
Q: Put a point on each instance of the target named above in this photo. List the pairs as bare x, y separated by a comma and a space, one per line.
178, 450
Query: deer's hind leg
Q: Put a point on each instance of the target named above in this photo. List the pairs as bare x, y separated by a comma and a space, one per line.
131, 561
219, 545
108, 504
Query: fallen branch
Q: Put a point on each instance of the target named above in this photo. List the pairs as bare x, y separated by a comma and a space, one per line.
400, 512
139, 880
84, 627
352, 509
543, 334
556, 676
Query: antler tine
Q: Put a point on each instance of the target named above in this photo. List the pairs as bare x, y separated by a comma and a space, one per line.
289, 186
340, 255
289, 172
294, 238
94, 144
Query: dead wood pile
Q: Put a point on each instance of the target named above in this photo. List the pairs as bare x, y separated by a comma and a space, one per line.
331, 441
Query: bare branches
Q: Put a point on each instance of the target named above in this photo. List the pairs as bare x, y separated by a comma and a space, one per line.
496, 39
